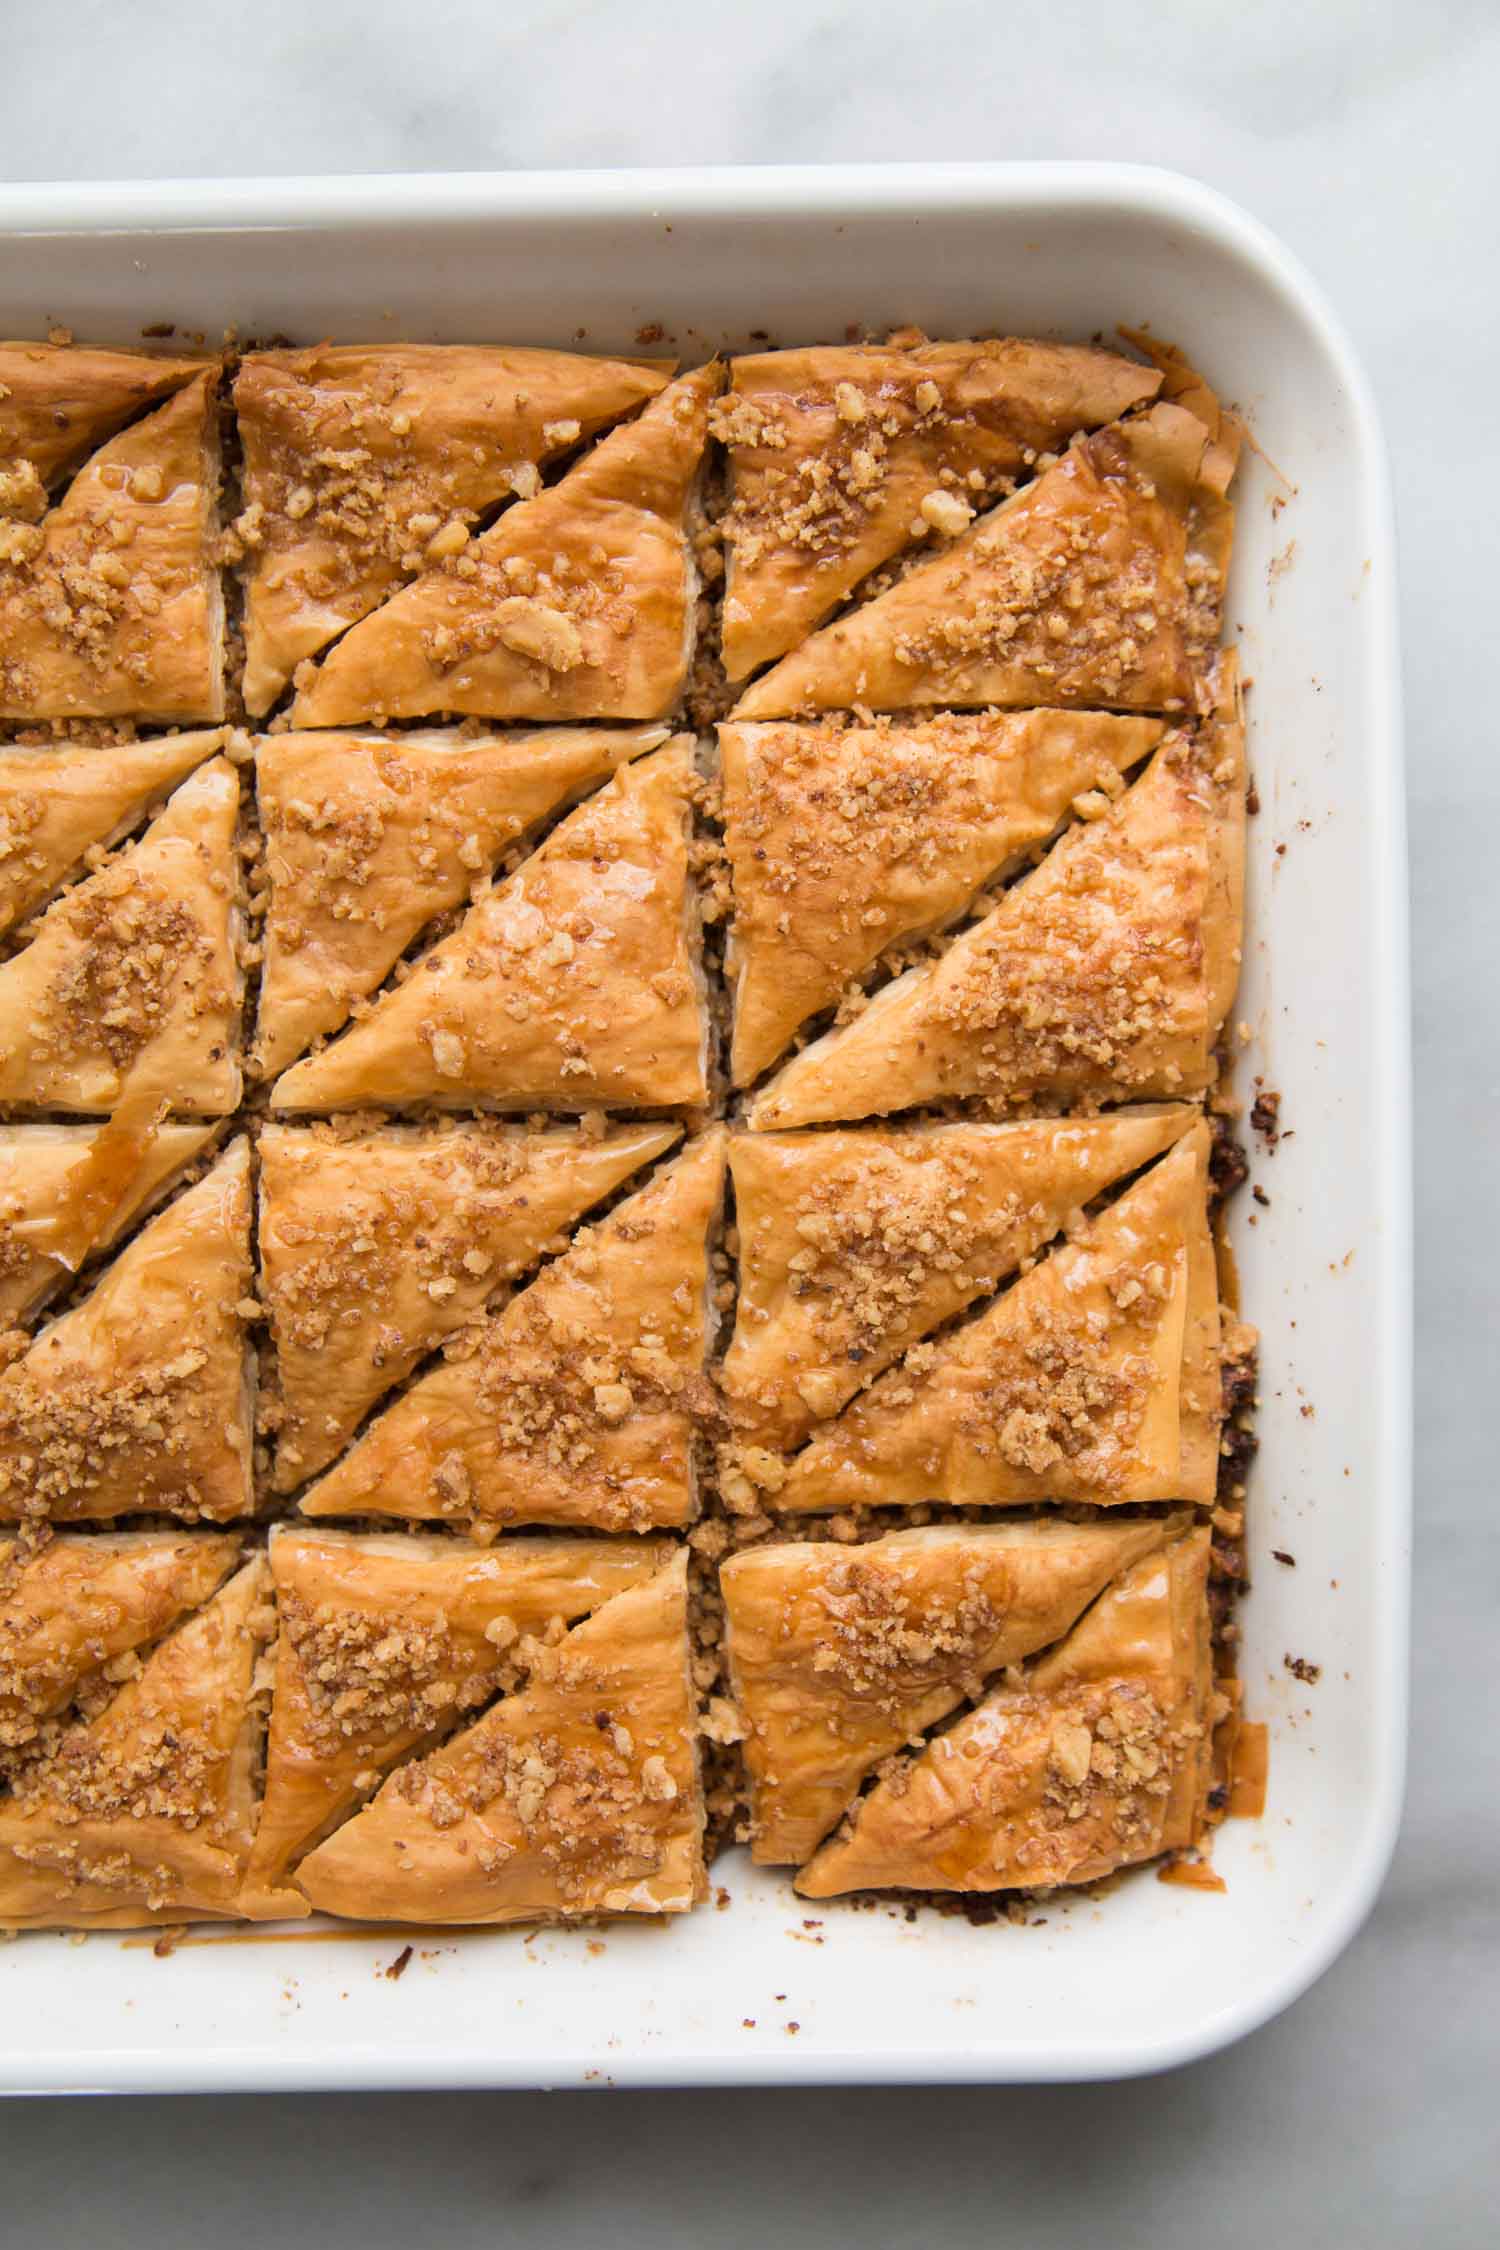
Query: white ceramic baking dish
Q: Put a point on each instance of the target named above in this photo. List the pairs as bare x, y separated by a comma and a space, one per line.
765, 1992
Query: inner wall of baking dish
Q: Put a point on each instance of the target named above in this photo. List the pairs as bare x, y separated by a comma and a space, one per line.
770, 1988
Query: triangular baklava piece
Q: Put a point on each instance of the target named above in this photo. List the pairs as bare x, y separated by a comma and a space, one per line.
369, 837
573, 985
840, 1655
1098, 1758
46, 1172
579, 1795
387, 1643
1101, 582
841, 456
131, 985
373, 1250
1070, 1386
110, 602
147, 1813
576, 1404
855, 1244
59, 803
363, 461
59, 401
578, 604
1104, 975
75, 1610
845, 838
139, 1400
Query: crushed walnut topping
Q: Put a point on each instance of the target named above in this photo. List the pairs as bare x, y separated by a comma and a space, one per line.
1111, 1749
846, 828
1093, 971
141, 956
164, 1772
553, 615
883, 1641
589, 1810
812, 469
1073, 1390
863, 1263
59, 1443
87, 585
332, 1267
345, 483
369, 1678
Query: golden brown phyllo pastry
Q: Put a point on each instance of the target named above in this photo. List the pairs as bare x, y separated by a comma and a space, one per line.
369, 838
577, 1403
846, 839
1098, 1756
719, 1239
388, 1643
110, 601
1094, 1377
1103, 975
840, 1656
62, 1197
841, 456
76, 1611
855, 1244
147, 1812
62, 803
130, 984
140, 1398
366, 465
375, 1249
579, 1794
1101, 582
577, 604
573, 985
59, 401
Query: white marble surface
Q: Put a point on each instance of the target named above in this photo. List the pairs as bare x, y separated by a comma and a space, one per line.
1365, 133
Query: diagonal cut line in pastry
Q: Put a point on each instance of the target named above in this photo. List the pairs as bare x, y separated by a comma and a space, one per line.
1104, 975
841, 1655
140, 1398
374, 1250
44, 1169
110, 602
845, 838
1100, 582
387, 1644
369, 838
75, 1610
575, 1404
147, 1813
1100, 1757
59, 802
855, 1244
579, 1795
130, 987
362, 461
1089, 1379
578, 604
841, 456
573, 985
59, 401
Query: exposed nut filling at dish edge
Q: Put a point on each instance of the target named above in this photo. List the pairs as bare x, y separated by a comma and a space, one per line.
612, 991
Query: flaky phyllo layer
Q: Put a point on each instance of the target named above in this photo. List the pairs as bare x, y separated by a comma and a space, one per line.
612, 983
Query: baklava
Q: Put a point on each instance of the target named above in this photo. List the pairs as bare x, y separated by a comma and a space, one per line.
613, 982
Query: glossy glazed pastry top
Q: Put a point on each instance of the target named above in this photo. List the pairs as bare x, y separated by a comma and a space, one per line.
614, 1000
